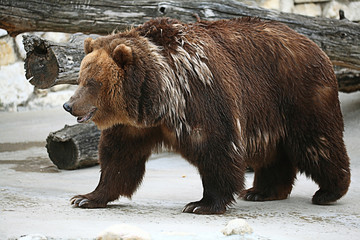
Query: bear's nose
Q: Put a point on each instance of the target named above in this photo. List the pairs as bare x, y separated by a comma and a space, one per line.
67, 107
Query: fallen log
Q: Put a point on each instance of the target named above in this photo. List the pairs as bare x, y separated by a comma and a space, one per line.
74, 146
48, 63
338, 38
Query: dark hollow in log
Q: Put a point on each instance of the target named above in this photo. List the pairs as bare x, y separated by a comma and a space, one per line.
74, 146
338, 38
40, 63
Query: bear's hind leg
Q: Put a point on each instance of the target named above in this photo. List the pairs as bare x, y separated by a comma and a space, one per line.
273, 181
122, 153
328, 165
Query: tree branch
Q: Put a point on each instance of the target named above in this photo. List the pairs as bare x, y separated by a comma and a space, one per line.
339, 39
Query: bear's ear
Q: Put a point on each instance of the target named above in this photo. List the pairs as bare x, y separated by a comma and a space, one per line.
88, 45
122, 55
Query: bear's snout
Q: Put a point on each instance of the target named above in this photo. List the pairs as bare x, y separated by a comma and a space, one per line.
67, 107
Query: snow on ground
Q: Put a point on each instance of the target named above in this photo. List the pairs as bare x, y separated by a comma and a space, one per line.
16, 94
14, 88
34, 195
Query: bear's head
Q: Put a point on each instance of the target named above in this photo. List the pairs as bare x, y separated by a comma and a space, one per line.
99, 94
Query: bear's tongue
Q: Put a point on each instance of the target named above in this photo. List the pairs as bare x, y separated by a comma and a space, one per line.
87, 117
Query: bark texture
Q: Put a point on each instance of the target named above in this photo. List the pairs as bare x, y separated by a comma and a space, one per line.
338, 38
74, 146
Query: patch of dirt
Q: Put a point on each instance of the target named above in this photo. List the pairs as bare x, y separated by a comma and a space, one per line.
33, 164
12, 147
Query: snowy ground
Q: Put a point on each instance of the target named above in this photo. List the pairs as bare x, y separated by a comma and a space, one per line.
34, 195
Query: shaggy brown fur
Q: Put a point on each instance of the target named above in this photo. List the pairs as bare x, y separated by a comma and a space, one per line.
223, 94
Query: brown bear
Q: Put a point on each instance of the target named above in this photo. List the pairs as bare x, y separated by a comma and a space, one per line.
225, 95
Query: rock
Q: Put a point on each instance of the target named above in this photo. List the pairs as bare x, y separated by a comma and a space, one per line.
271, 4
7, 53
309, 9
331, 10
352, 9
123, 232
237, 227
286, 6
353, 13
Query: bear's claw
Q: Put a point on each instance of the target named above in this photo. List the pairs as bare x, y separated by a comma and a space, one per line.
79, 201
84, 202
251, 196
201, 208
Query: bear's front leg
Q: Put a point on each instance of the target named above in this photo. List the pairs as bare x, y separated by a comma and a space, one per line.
123, 152
222, 174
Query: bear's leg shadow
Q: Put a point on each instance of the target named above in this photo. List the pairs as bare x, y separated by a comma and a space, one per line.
123, 152
222, 176
274, 180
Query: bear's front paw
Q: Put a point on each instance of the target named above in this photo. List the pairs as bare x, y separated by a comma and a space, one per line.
256, 195
202, 208
83, 201
252, 195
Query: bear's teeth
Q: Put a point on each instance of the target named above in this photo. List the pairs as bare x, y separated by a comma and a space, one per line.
87, 117
80, 119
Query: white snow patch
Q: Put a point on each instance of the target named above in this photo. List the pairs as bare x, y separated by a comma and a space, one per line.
208, 12
14, 88
50, 100
58, 37
123, 232
33, 237
237, 227
3, 32
20, 45
17, 94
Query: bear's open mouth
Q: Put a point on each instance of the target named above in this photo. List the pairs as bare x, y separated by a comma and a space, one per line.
87, 117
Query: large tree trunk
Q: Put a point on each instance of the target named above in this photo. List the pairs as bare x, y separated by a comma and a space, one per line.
74, 146
338, 38
48, 63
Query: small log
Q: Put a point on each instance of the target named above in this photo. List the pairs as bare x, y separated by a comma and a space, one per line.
74, 146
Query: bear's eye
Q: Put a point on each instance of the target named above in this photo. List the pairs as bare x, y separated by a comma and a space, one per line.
93, 83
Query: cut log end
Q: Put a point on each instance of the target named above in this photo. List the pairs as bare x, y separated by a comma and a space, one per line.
62, 154
41, 64
74, 146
